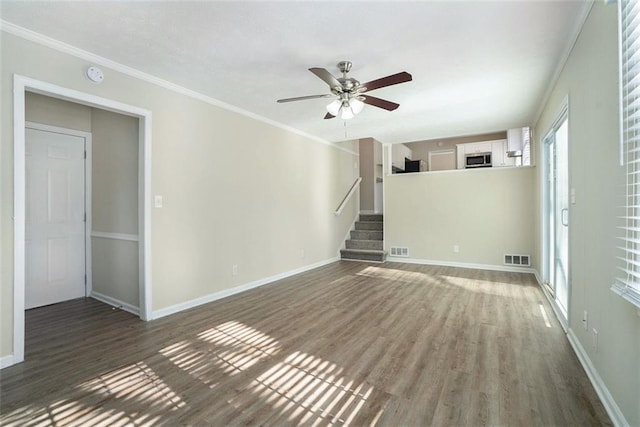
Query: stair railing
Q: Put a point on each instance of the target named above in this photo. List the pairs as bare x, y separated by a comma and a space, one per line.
344, 201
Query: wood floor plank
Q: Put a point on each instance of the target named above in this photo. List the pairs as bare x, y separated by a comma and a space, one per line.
345, 344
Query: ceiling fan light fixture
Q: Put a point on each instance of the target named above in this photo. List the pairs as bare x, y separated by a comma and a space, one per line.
347, 112
334, 107
356, 105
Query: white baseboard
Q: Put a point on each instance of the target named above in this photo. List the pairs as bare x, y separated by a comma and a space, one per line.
614, 412
370, 212
6, 361
242, 288
491, 267
609, 404
115, 302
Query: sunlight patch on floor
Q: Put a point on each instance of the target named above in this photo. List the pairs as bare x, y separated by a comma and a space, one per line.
134, 382
544, 316
226, 349
394, 274
310, 390
112, 399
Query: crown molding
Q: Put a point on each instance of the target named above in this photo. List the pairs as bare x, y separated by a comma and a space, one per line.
564, 57
60, 46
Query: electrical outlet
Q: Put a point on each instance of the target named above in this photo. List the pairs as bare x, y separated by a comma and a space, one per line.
234, 270
595, 339
585, 318
456, 249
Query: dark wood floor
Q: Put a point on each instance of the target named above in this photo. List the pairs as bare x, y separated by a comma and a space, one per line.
349, 343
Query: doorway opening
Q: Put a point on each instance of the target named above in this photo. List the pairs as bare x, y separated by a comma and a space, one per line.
23, 85
556, 213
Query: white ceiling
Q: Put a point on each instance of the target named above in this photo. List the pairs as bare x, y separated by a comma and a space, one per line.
477, 66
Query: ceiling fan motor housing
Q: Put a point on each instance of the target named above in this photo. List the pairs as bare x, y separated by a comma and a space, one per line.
344, 66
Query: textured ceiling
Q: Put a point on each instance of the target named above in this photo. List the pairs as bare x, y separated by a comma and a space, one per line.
477, 66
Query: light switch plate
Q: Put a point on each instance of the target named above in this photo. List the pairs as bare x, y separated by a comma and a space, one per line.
157, 201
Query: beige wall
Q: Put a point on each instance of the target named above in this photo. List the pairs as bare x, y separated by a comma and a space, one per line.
379, 176
115, 205
590, 80
114, 172
486, 212
114, 269
367, 173
56, 112
236, 190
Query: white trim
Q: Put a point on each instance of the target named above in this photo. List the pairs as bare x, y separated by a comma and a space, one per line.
607, 400
116, 303
19, 219
238, 289
87, 190
144, 218
115, 236
620, 88
474, 266
88, 200
560, 117
20, 85
6, 361
573, 38
121, 68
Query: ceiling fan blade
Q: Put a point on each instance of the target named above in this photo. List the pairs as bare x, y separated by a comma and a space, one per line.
380, 103
326, 76
393, 79
302, 98
329, 116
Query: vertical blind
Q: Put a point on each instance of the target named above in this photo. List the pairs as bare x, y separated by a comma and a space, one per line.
628, 283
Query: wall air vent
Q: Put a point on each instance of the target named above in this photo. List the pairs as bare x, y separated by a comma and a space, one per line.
519, 260
398, 251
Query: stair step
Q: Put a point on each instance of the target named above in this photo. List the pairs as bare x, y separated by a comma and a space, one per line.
364, 244
363, 255
371, 217
369, 225
366, 234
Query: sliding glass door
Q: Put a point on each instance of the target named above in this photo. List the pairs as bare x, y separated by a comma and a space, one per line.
556, 211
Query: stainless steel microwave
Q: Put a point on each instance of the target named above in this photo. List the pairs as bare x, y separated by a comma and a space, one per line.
477, 160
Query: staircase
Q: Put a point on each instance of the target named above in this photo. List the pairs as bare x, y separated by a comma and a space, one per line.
366, 240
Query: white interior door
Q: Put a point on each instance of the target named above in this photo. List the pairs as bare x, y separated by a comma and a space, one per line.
55, 217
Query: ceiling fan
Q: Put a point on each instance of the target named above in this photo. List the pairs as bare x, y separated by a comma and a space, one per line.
349, 93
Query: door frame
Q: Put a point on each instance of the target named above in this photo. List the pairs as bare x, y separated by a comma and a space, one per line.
87, 191
22, 84
559, 117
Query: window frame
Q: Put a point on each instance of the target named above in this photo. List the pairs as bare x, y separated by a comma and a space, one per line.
627, 284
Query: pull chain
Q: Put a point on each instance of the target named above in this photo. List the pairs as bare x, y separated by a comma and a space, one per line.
345, 129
